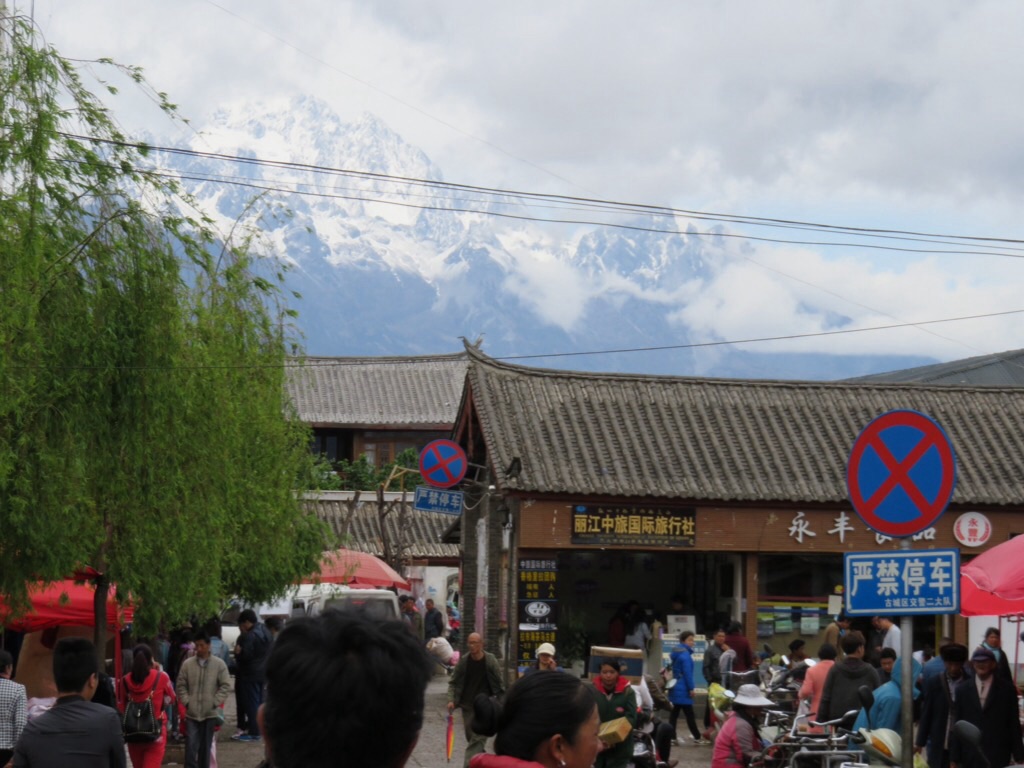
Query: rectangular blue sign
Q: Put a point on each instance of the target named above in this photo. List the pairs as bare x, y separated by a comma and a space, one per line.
436, 500
902, 583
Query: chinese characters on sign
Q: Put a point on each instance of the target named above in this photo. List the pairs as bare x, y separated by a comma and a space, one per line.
800, 528
902, 583
651, 526
429, 499
538, 605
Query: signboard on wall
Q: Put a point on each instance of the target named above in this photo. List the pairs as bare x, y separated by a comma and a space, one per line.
537, 606
634, 525
902, 583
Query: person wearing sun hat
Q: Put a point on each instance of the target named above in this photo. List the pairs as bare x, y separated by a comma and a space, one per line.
545, 660
740, 738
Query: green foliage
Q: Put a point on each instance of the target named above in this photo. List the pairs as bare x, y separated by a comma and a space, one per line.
573, 640
361, 475
143, 424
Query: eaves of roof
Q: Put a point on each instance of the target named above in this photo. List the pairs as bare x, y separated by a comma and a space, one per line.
377, 392
720, 440
358, 524
1002, 369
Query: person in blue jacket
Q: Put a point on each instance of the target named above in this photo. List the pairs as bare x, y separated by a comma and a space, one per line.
681, 694
886, 711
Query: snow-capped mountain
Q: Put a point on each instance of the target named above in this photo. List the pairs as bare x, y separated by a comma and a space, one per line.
395, 266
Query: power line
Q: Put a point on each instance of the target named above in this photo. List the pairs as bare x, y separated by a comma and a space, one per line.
559, 200
1012, 247
322, 362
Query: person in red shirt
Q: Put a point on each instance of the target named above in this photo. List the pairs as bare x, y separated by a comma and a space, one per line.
143, 682
736, 640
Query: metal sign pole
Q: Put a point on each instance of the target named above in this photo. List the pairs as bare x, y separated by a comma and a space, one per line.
907, 682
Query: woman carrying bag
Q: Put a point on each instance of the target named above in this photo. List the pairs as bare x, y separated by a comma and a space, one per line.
147, 686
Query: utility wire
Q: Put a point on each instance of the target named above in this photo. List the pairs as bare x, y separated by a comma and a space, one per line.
560, 201
760, 339
321, 362
364, 198
1013, 247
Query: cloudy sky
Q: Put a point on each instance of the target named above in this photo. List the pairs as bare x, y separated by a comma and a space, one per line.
885, 115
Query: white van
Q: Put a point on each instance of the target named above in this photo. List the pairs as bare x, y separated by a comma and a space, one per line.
292, 605
378, 603
311, 600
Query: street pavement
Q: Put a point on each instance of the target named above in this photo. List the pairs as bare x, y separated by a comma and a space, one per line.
429, 751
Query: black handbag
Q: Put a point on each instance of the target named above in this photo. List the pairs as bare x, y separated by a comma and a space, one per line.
140, 723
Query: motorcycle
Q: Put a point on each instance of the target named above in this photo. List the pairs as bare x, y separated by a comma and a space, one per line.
782, 684
720, 701
645, 752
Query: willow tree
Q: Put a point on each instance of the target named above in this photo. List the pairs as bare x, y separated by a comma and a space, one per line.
143, 428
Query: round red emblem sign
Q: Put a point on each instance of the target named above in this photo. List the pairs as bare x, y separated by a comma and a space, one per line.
972, 529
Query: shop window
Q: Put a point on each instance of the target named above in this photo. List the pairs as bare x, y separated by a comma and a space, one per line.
793, 592
381, 447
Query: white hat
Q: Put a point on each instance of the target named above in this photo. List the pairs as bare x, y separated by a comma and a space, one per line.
750, 696
547, 648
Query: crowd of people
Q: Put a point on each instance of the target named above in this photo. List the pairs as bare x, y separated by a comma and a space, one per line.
348, 674
956, 684
343, 673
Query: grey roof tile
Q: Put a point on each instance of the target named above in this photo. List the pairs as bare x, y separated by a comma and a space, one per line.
361, 528
1002, 369
724, 440
377, 391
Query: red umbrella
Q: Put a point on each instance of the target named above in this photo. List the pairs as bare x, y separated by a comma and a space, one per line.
359, 569
992, 584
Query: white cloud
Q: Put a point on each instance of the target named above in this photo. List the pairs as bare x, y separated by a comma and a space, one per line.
873, 114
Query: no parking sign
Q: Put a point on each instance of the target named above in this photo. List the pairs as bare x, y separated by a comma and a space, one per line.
901, 473
443, 463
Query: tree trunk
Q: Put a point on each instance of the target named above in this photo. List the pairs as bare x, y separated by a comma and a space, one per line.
99, 613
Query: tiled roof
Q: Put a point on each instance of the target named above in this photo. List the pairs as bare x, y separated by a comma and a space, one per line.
1003, 369
727, 440
377, 391
361, 528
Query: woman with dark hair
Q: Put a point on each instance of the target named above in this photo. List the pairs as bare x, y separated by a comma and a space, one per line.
681, 694
145, 681
740, 739
615, 699
545, 721
638, 634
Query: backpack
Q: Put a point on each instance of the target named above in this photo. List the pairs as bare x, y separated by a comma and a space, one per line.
139, 723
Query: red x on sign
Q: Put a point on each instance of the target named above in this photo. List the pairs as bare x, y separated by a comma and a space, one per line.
901, 473
443, 463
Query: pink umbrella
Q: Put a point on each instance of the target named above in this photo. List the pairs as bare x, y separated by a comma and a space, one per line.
992, 584
359, 569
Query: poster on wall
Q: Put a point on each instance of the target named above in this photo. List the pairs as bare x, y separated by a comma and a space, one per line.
634, 525
676, 623
537, 606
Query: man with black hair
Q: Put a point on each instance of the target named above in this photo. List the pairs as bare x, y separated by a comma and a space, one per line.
251, 652
75, 733
834, 633
886, 663
737, 641
203, 685
433, 622
935, 726
358, 680
841, 691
